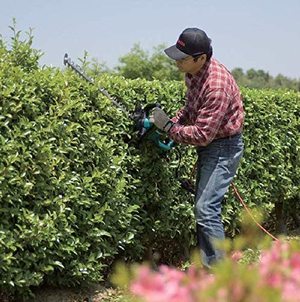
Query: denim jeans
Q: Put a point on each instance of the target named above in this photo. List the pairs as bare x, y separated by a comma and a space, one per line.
217, 165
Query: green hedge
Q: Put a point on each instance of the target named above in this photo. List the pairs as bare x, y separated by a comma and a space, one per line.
60, 177
270, 170
76, 194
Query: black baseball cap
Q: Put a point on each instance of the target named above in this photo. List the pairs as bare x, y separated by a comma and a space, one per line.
191, 42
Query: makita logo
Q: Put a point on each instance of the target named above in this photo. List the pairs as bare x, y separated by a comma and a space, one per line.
181, 43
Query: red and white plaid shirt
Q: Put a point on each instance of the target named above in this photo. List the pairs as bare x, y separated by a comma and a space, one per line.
214, 107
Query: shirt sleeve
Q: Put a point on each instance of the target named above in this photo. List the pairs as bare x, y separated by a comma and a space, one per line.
180, 116
209, 118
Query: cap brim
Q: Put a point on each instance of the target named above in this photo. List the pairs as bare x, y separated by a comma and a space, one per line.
174, 53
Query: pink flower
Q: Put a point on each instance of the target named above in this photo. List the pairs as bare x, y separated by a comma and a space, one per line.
295, 261
165, 285
275, 280
291, 292
238, 291
284, 273
147, 282
236, 255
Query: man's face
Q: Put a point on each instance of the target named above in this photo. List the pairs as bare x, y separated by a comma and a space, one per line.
190, 64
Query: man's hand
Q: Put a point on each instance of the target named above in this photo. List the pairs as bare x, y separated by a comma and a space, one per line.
161, 120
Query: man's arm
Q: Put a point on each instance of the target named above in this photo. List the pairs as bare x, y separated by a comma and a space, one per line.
180, 116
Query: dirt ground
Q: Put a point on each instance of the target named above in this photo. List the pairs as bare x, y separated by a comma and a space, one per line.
63, 295
93, 294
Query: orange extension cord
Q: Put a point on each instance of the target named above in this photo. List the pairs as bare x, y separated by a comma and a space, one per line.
249, 212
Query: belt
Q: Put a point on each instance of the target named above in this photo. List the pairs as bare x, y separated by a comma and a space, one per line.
229, 136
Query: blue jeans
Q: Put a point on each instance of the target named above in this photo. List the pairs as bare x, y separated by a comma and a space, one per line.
217, 165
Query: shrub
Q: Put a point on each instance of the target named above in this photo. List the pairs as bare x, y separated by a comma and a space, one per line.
63, 200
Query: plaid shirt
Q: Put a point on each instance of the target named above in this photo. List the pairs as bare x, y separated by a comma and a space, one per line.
213, 109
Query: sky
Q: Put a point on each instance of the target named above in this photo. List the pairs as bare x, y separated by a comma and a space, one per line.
248, 34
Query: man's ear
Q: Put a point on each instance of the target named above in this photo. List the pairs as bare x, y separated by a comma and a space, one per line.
203, 57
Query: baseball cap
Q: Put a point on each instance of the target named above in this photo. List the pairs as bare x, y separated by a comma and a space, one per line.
191, 42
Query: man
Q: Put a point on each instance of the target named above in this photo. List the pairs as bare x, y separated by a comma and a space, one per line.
212, 120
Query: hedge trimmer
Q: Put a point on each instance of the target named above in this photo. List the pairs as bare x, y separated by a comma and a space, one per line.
145, 129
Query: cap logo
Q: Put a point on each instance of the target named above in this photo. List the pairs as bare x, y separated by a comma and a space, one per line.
181, 43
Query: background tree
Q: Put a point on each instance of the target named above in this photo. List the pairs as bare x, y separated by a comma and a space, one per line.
260, 79
139, 63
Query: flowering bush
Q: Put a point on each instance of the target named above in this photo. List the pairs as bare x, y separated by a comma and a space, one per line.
169, 284
280, 269
275, 277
